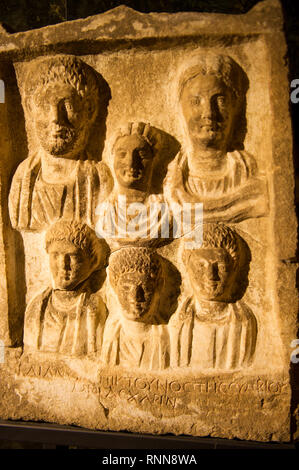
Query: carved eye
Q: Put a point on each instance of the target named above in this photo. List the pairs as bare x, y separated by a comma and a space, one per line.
200, 265
121, 154
221, 100
68, 106
222, 267
195, 101
143, 154
76, 257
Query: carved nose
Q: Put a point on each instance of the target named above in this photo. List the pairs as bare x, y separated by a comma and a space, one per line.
57, 113
65, 262
54, 113
133, 159
206, 109
138, 294
212, 272
129, 158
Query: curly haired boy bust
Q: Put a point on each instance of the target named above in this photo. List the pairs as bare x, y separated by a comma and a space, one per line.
134, 334
68, 317
211, 330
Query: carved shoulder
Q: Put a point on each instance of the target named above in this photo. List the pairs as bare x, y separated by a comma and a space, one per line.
248, 161
21, 188
33, 318
97, 307
34, 306
243, 311
96, 318
106, 180
110, 348
17, 179
26, 165
21, 169
249, 332
246, 317
174, 177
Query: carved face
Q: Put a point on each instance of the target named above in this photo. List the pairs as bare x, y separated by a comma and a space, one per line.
133, 162
69, 265
62, 119
208, 108
210, 272
135, 293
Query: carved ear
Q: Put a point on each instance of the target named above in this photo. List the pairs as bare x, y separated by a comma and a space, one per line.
92, 108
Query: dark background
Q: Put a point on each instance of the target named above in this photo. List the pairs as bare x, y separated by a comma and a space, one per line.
22, 15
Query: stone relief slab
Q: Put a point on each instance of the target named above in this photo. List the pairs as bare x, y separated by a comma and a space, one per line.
147, 225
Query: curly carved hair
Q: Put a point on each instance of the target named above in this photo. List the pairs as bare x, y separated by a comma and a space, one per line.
143, 130
217, 236
81, 236
62, 68
132, 260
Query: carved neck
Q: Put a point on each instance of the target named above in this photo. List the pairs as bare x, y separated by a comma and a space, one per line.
132, 195
64, 300
133, 328
205, 307
57, 169
204, 161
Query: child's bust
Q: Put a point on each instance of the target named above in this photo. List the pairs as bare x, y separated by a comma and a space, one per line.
221, 331
68, 317
134, 334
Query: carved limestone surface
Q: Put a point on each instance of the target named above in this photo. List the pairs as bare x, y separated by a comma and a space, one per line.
133, 151
211, 330
135, 334
59, 179
147, 225
213, 168
68, 317
134, 212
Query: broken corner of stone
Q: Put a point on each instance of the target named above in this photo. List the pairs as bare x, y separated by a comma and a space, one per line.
154, 325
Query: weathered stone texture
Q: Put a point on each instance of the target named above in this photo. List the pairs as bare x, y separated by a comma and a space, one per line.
148, 231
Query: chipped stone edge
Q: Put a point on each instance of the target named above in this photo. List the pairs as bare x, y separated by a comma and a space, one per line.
124, 23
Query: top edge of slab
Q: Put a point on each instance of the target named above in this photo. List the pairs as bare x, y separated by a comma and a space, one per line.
124, 23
